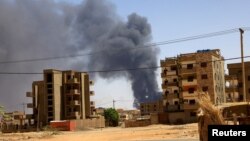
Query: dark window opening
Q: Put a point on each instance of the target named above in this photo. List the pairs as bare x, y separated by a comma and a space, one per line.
50, 102
69, 98
193, 114
203, 64
142, 106
240, 84
50, 114
175, 80
204, 76
49, 86
49, 77
173, 68
248, 78
191, 90
49, 91
175, 91
154, 105
176, 103
249, 90
68, 77
189, 66
190, 78
50, 97
192, 102
166, 81
204, 89
167, 92
50, 109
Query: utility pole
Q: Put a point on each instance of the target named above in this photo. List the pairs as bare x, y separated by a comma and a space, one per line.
24, 104
243, 64
114, 104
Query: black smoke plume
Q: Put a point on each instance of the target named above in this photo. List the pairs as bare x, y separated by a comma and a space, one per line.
38, 29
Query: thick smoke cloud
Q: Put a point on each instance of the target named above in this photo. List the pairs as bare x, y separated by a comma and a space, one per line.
38, 29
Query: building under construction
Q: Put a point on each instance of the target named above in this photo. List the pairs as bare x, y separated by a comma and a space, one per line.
234, 85
186, 77
63, 95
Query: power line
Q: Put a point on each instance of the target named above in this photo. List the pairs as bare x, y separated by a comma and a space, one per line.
208, 35
119, 70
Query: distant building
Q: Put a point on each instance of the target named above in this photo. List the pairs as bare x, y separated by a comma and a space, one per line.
151, 107
234, 85
185, 77
62, 95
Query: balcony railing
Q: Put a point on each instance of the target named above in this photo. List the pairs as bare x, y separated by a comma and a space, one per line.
29, 94
74, 91
190, 106
231, 89
91, 93
187, 94
73, 81
30, 105
187, 71
185, 82
75, 102
171, 96
172, 108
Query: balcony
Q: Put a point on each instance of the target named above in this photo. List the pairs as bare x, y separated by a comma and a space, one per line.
92, 104
185, 82
74, 91
231, 89
91, 82
190, 106
187, 94
91, 93
171, 72
171, 96
29, 94
163, 75
172, 108
187, 71
73, 81
75, 102
30, 105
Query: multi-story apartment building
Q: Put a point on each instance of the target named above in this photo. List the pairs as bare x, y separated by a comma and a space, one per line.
62, 95
186, 77
234, 88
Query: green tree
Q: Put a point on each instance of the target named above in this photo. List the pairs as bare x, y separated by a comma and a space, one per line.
111, 116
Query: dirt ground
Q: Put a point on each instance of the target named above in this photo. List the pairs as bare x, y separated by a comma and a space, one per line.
152, 132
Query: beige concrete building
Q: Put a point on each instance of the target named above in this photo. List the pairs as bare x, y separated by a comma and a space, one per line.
186, 77
61, 95
151, 107
234, 85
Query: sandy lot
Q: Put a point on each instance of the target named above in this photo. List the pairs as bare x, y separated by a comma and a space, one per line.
153, 132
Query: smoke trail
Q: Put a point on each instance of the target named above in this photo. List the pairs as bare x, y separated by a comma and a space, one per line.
97, 25
38, 29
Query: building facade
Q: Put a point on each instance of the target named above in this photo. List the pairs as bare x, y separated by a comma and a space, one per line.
234, 85
186, 77
151, 107
61, 95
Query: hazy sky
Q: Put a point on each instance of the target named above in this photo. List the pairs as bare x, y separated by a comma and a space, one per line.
172, 19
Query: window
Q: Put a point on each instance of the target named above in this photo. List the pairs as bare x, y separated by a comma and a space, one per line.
175, 91
166, 82
249, 90
173, 68
192, 102
204, 76
49, 86
204, 89
191, 90
240, 84
190, 78
50, 97
176, 103
189, 66
49, 91
192, 114
248, 78
49, 77
50, 102
50, 114
50, 109
203, 64
175, 80
167, 92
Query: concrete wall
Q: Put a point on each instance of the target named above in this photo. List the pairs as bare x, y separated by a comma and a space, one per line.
90, 123
137, 123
